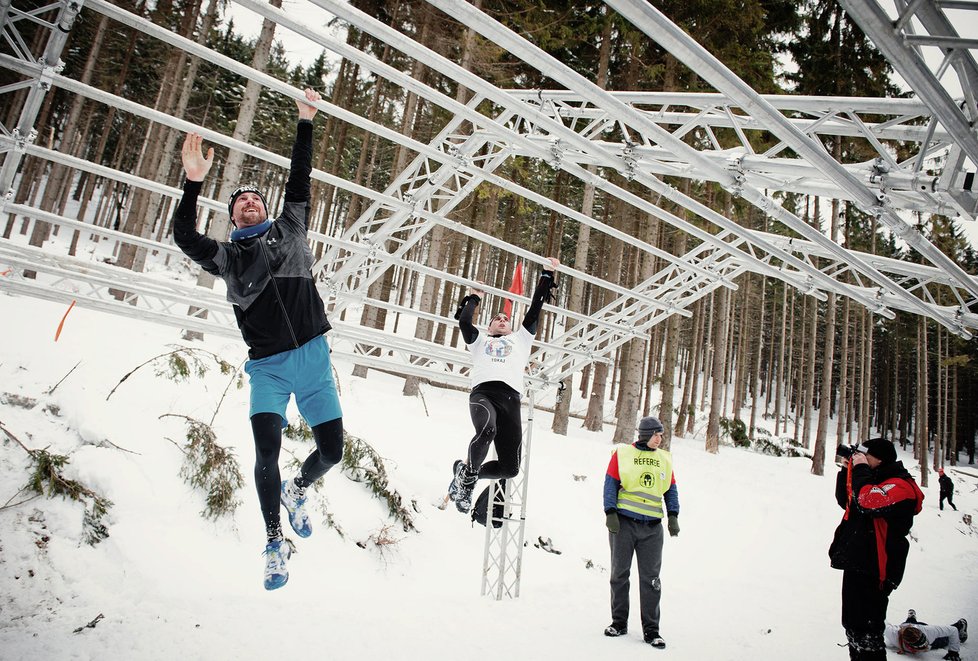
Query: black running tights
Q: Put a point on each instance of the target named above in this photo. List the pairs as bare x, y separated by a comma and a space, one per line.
267, 428
496, 417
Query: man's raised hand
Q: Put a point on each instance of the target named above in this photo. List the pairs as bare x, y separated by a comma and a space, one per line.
195, 164
307, 111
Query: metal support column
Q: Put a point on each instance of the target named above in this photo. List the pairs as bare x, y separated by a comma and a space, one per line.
24, 133
503, 559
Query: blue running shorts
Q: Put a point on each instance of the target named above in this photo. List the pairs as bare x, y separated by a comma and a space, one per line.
306, 372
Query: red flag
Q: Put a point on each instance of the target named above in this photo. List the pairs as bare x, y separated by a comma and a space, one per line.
515, 288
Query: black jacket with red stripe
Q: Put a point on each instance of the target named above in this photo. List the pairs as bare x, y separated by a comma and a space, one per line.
880, 505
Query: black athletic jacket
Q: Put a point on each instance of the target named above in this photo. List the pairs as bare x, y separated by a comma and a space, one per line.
880, 505
269, 277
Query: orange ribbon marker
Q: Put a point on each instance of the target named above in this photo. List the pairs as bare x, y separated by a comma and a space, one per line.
62, 324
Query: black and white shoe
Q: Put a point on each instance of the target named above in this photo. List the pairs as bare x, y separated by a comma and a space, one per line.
466, 485
655, 640
463, 483
453, 486
615, 630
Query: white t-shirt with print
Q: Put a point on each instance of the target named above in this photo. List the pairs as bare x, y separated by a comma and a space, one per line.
501, 358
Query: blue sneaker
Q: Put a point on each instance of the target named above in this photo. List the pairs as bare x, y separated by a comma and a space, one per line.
295, 501
276, 573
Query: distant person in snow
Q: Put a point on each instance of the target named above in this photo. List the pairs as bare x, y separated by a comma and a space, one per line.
267, 268
499, 359
947, 489
639, 491
913, 637
880, 499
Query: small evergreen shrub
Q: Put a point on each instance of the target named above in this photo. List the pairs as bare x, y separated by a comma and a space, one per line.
362, 464
47, 479
736, 431
211, 468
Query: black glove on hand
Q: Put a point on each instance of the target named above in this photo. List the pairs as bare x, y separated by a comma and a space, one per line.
611, 520
952, 656
461, 304
674, 525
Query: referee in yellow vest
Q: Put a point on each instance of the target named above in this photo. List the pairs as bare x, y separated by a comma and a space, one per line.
639, 491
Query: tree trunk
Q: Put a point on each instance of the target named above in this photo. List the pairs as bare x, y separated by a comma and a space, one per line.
779, 379
843, 409
756, 379
719, 359
685, 419
633, 369
575, 302
828, 357
594, 420
922, 426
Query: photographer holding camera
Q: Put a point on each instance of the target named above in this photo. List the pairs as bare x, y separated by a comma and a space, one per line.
870, 545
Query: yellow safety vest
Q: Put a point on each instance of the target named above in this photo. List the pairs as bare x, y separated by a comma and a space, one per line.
645, 476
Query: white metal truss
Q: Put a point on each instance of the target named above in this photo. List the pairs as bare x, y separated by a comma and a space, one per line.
906, 184
639, 136
902, 45
665, 32
502, 564
47, 64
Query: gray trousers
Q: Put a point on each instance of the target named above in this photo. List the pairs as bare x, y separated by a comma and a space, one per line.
645, 542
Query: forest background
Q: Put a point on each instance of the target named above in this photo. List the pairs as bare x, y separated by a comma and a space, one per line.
821, 371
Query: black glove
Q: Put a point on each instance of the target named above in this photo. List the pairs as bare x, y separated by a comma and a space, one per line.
461, 304
611, 520
674, 525
952, 656
551, 284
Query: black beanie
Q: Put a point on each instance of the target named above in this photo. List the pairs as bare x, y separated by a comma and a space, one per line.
880, 448
648, 427
248, 188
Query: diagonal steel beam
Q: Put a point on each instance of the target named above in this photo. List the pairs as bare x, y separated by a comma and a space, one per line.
892, 43
546, 124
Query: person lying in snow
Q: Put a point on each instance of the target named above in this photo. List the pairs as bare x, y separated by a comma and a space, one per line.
912, 636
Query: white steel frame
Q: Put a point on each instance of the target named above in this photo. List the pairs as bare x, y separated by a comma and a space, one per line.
570, 129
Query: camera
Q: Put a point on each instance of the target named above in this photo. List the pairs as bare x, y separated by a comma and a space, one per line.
846, 451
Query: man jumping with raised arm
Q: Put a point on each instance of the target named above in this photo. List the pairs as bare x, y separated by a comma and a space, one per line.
267, 268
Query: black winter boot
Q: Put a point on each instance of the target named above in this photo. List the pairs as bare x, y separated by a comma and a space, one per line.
655, 640
962, 627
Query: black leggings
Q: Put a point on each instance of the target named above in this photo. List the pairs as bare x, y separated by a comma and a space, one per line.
267, 428
496, 417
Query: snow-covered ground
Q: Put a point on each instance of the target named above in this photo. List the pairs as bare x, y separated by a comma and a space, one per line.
748, 577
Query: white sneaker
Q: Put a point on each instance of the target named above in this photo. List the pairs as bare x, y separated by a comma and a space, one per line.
294, 500
276, 573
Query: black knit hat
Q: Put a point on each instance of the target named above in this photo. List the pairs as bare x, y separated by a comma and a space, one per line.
880, 448
247, 188
648, 426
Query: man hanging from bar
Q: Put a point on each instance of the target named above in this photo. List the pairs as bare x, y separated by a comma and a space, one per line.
499, 359
267, 267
